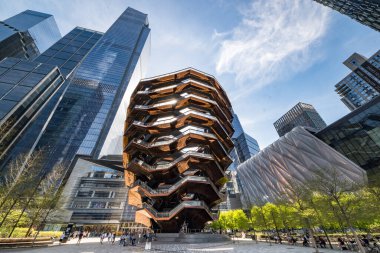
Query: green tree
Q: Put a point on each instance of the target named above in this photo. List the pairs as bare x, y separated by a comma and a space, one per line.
240, 220
273, 217
341, 192
299, 196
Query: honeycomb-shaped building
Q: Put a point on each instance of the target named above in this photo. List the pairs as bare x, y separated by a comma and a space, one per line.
176, 143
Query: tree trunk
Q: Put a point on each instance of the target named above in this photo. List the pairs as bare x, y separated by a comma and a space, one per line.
321, 222
360, 246
266, 226
275, 225
308, 224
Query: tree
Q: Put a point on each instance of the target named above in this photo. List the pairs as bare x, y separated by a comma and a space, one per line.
299, 194
341, 192
33, 194
239, 220
224, 220
259, 221
273, 217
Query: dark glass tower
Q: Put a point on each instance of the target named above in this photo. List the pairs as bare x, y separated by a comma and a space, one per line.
99, 86
245, 145
301, 114
66, 54
69, 51
357, 136
363, 83
25, 87
366, 12
27, 34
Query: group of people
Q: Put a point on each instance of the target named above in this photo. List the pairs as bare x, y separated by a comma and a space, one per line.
128, 238
365, 241
319, 241
109, 236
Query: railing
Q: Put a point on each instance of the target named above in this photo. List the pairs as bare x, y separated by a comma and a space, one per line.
156, 123
168, 165
174, 139
184, 204
179, 159
146, 92
174, 186
154, 144
145, 107
176, 86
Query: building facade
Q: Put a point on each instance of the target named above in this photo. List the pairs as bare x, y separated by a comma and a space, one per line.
66, 54
363, 83
366, 12
69, 51
245, 147
176, 144
301, 114
25, 88
95, 197
98, 93
293, 159
27, 34
357, 136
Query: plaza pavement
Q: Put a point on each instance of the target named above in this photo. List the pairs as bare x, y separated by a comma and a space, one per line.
92, 245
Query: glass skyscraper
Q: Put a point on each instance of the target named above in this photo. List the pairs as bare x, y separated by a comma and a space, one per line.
66, 54
245, 145
25, 87
363, 83
27, 34
96, 99
366, 12
357, 136
301, 114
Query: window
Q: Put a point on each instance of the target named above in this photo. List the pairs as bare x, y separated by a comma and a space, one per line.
32, 80
114, 205
17, 93
4, 88
84, 194
13, 76
5, 107
98, 204
79, 204
101, 194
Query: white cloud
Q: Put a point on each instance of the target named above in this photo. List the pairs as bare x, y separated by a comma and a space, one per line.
272, 41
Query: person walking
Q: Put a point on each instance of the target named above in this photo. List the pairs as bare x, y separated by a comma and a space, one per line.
113, 238
322, 242
305, 242
122, 238
109, 237
342, 245
80, 236
102, 238
148, 244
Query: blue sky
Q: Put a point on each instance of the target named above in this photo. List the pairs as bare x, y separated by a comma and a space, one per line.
267, 54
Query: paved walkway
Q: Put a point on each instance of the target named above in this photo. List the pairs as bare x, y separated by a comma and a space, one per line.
92, 245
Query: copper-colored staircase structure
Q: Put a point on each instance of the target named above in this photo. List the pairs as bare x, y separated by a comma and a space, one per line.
177, 138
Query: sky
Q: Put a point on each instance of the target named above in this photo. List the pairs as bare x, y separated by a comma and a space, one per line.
267, 54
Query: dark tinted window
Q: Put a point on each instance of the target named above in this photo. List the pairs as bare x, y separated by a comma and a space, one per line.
13, 76
5, 107
32, 79
4, 88
17, 93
